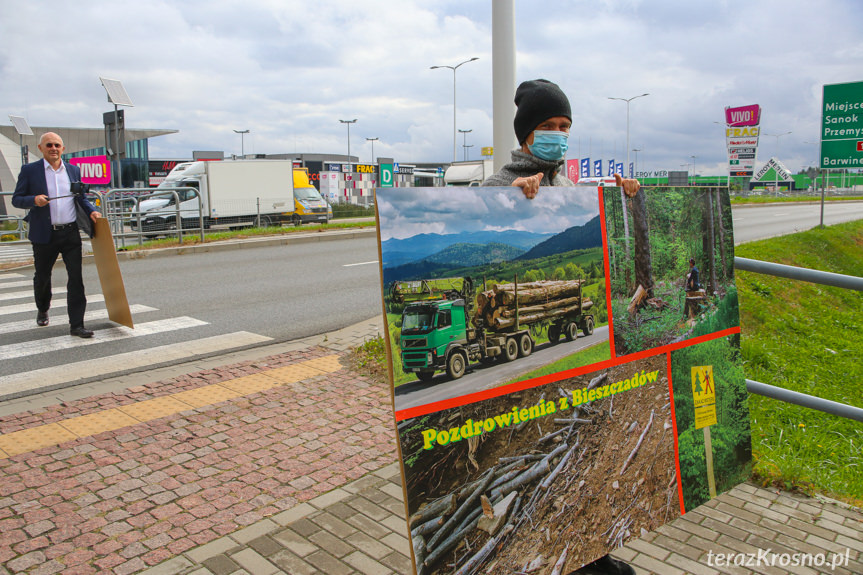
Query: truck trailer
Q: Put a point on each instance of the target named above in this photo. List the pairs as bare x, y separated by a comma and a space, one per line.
446, 327
232, 194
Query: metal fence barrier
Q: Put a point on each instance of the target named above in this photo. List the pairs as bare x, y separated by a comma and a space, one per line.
812, 276
122, 208
20, 224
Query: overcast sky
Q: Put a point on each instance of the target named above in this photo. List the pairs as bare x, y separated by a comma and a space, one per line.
288, 71
405, 213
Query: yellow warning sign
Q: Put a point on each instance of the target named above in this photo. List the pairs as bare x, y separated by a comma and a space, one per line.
704, 395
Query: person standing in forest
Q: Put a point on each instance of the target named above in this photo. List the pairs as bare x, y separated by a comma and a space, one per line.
692, 283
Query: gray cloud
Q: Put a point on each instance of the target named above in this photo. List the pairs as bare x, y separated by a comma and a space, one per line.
289, 70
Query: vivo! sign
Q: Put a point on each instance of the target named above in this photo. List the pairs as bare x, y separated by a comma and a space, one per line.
743, 116
94, 169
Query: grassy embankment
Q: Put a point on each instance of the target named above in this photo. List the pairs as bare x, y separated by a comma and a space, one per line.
190, 239
800, 336
807, 338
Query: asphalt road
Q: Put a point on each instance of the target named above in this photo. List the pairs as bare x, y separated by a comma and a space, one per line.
761, 221
486, 376
279, 292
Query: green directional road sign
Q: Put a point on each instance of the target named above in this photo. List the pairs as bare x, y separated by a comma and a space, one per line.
842, 126
386, 175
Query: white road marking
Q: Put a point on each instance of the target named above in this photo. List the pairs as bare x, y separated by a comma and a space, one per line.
52, 377
38, 347
28, 293
18, 284
359, 264
31, 307
18, 326
5, 277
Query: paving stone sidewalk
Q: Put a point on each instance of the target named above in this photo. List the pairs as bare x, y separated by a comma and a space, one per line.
301, 478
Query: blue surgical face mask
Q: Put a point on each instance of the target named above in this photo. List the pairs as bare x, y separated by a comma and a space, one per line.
549, 145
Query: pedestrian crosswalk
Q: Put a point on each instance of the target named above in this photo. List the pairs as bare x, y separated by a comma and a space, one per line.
59, 360
16, 252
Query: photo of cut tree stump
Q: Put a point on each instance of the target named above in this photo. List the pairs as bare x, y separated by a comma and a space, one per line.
515, 500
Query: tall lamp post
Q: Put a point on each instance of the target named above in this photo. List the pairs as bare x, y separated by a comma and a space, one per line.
635, 170
454, 132
372, 140
349, 122
693, 167
628, 100
242, 134
464, 145
775, 170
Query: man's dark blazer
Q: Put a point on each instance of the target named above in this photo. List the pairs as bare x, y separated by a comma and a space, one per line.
32, 183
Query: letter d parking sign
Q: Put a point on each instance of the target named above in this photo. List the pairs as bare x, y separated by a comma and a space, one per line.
386, 175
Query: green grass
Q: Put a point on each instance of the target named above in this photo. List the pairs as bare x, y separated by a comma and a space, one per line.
588, 356
768, 199
192, 238
807, 338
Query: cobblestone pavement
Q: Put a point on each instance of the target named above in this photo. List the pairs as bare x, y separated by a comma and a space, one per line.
282, 460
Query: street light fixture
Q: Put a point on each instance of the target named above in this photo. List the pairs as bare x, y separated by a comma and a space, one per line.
453, 68
372, 140
775, 170
628, 100
693, 167
242, 134
465, 146
349, 122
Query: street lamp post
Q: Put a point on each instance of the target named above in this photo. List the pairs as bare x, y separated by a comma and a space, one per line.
242, 134
628, 100
454, 132
693, 167
349, 122
372, 140
635, 170
775, 168
465, 146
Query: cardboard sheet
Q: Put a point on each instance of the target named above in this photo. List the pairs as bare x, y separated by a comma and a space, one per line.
109, 274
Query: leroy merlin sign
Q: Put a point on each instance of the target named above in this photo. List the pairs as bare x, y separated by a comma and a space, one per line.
842, 126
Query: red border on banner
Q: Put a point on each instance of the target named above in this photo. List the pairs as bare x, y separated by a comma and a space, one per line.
575, 372
676, 445
606, 262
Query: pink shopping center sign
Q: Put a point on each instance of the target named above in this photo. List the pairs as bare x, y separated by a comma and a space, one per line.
94, 169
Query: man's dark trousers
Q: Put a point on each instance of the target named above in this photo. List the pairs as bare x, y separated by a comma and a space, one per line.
65, 242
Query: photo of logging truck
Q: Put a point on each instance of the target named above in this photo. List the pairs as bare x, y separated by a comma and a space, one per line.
447, 328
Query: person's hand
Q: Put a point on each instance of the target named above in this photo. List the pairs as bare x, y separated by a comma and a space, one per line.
41, 200
529, 185
94, 215
630, 185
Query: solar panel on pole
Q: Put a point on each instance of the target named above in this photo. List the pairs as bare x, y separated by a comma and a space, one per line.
21, 125
116, 92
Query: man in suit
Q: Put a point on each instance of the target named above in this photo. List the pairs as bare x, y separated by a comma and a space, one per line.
45, 188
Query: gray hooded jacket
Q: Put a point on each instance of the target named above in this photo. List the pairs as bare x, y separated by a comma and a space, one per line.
524, 165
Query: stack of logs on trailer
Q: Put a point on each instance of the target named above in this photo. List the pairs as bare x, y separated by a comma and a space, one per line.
545, 300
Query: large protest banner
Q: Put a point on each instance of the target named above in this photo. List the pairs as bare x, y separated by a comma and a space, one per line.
557, 375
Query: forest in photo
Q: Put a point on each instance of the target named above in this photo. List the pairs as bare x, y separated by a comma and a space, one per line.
496, 263
659, 239
730, 436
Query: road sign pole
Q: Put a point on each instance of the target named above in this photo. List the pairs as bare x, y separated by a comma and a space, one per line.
708, 455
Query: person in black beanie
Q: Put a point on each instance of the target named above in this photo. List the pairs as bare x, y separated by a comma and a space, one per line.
542, 122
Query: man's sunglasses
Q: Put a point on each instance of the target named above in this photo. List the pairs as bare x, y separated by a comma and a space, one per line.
53, 145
